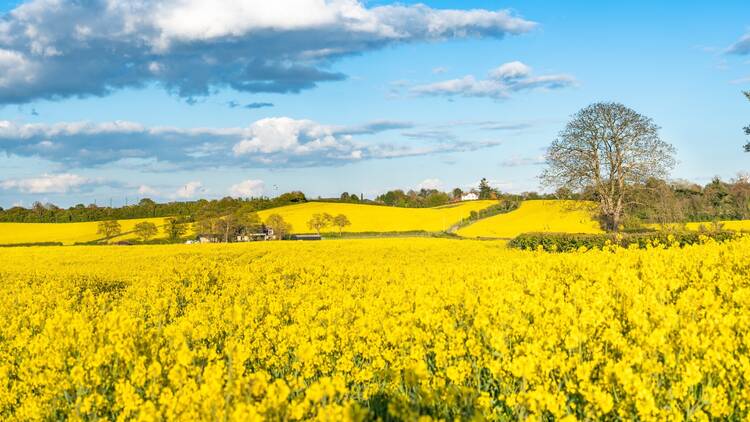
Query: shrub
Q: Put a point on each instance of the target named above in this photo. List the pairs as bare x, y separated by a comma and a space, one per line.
566, 242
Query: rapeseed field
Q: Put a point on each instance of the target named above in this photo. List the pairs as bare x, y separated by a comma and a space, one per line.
67, 233
398, 329
376, 218
550, 216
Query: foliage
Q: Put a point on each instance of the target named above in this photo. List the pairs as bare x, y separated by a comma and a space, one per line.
423, 198
109, 228
341, 221
146, 208
485, 191
146, 230
566, 242
319, 221
537, 216
609, 148
374, 329
662, 202
175, 228
281, 228
502, 207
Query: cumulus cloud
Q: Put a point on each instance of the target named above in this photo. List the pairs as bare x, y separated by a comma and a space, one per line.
433, 183
501, 83
146, 190
48, 183
270, 142
190, 190
742, 46
192, 47
247, 188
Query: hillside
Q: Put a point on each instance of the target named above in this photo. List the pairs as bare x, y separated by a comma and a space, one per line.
537, 216
67, 233
375, 218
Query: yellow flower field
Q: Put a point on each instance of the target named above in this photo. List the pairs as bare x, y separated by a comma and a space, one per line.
552, 216
67, 233
376, 218
735, 225
361, 329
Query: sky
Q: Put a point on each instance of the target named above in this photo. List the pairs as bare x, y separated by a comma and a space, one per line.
106, 101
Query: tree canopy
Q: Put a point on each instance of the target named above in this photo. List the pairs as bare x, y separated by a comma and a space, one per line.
609, 148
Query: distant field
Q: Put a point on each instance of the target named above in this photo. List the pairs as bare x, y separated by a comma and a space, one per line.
538, 216
737, 225
67, 233
375, 218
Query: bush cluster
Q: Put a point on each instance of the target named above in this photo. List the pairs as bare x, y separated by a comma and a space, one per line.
566, 242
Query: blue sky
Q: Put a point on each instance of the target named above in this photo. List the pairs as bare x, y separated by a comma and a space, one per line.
100, 103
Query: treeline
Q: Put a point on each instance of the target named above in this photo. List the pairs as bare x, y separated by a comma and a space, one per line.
428, 198
146, 208
662, 202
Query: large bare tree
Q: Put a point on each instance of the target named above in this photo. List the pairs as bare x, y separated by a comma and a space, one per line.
609, 148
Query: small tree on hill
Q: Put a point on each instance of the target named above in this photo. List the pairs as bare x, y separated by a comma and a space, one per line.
280, 227
341, 221
145, 230
485, 191
109, 228
319, 222
175, 228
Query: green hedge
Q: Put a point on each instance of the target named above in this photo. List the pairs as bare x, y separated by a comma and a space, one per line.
13, 245
566, 242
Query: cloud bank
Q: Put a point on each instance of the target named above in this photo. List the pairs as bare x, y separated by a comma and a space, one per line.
194, 47
49, 183
500, 84
270, 142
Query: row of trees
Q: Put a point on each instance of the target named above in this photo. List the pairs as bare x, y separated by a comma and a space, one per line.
145, 208
173, 227
319, 222
427, 198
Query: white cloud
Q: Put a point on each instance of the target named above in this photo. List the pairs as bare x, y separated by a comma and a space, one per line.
47, 183
247, 188
191, 47
742, 46
511, 70
270, 142
145, 190
501, 83
523, 161
430, 184
190, 190
439, 70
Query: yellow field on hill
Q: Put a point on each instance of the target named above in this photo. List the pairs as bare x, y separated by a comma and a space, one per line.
67, 233
378, 329
551, 216
735, 225
376, 218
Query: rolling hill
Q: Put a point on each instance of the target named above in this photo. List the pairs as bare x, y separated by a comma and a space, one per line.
537, 216
376, 218
66, 233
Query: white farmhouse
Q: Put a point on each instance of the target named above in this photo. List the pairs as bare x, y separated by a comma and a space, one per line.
469, 196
